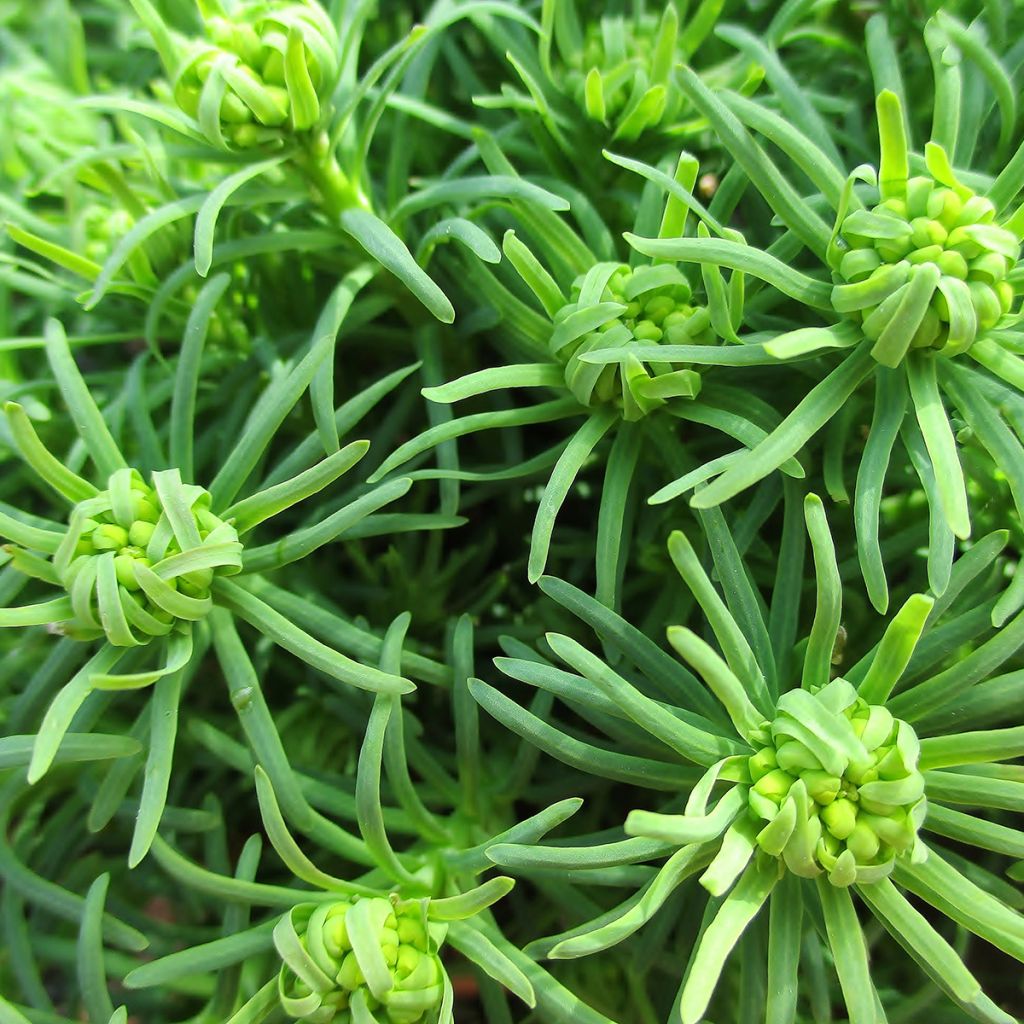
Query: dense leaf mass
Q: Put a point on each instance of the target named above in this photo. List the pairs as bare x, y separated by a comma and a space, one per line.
510, 510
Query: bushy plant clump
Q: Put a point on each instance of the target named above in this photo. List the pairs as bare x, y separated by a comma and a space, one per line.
511, 510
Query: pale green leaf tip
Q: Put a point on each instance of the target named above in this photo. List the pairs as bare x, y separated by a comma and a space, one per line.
889, 100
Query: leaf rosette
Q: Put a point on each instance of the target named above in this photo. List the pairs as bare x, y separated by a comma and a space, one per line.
141, 563
620, 74
923, 299
813, 793
607, 72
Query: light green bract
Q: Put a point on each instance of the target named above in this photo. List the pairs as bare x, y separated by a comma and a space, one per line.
359, 955
838, 785
266, 69
138, 560
927, 267
646, 305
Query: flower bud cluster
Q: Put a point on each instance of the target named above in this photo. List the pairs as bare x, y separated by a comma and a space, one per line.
838, 784
375, 949
619, 76
132, 571
267, 69
103, 226
615, 306
947, 237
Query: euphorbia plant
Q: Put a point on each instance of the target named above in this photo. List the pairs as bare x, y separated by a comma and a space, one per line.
691, 244
584, 304
923, 274
263, 82
820, 787
369, 947
142, 561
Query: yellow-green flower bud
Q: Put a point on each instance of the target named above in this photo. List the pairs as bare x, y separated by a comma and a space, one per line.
958, 280
108, 556
397, 972
762, 763
349, 974
775, 785
109, 537
858, 804
619, 72
268, 70
124, 566
840, 817
863, 842
141, 531
335, 931
822, 788
795, 758
654, 307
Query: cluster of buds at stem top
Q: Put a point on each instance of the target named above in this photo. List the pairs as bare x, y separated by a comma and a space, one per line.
928, 267
138, 560
615, 306
346, 960
838, 784
266, 69
620, 76
229, 322
102, 226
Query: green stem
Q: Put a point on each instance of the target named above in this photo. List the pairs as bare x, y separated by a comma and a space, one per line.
335, 190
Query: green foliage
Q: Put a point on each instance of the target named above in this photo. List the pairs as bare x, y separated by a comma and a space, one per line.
578, 440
